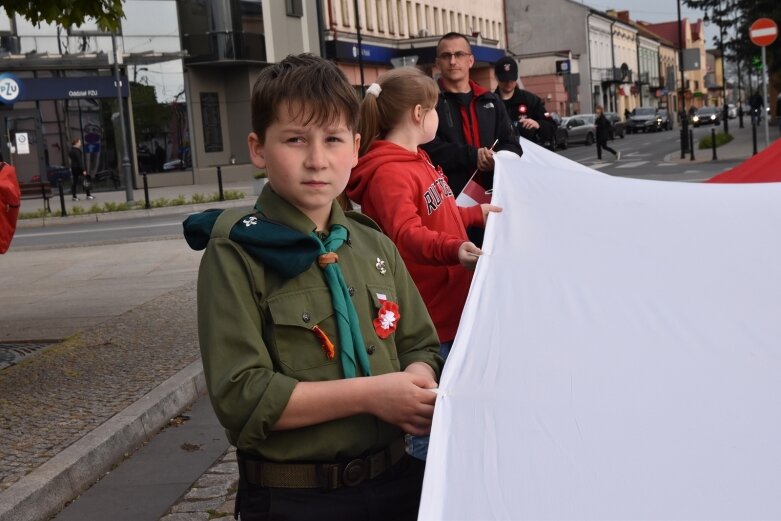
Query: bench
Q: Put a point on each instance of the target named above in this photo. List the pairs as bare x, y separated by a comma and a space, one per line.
34, 190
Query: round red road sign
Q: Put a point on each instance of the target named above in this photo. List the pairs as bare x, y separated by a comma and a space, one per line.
763, 32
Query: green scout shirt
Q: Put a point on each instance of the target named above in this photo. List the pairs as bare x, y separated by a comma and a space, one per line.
256, 338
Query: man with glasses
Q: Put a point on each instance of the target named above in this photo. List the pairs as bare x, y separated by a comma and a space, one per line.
471, 119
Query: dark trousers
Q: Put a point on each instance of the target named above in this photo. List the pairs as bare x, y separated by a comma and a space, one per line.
76, 180
601, 145
393, 496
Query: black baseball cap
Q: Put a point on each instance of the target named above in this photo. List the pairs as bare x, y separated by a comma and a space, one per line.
506, 69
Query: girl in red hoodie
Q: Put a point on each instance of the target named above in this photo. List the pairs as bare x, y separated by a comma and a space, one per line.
397, 186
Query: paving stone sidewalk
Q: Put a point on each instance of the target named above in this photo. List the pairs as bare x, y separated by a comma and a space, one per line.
212, 496
52, 399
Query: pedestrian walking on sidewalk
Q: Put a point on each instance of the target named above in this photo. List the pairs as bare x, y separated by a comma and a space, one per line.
317, 348
603, 133
78, 172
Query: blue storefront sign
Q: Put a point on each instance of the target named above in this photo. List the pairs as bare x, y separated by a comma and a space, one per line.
375, 54
14, 89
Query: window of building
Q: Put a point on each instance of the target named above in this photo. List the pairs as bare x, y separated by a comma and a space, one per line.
461, 23
400, 14
5, 23
368, 19
294, 8
380, 16
436, 21
453, 24
410, 21
419, 19
391, 19
345, 4
212, 125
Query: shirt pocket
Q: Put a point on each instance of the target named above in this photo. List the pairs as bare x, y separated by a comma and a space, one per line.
298, 348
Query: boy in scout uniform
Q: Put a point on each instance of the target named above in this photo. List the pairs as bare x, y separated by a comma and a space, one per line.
317, 348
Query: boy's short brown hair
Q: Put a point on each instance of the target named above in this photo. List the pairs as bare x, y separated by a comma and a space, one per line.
304, 82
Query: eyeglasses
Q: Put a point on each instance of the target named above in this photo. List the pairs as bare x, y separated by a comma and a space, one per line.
458, 55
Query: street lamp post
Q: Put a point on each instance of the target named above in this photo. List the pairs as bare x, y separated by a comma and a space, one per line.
684, 118
706, 20
723, 76
125, 157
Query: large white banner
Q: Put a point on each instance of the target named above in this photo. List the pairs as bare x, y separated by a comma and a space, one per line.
619, 357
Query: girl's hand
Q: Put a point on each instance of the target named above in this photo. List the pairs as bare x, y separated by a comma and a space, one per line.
468, 254
488, 208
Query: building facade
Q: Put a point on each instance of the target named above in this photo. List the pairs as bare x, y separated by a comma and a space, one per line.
67, 90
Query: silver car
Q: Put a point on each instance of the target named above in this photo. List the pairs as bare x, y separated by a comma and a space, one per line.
580, 129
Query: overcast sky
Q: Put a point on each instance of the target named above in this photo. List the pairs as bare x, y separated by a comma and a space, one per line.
650, 11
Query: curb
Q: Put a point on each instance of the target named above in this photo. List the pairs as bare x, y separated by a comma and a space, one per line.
43, 493
44, 222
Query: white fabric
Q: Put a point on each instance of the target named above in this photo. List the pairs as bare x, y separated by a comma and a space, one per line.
619, 356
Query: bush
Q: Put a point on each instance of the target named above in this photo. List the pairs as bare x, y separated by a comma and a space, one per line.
721, 139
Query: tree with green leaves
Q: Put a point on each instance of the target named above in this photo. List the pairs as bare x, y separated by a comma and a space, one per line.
106, 13
735, 17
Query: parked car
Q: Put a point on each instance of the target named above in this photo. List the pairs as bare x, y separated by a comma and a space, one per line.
57, 173
647, 119
580, 129
706, 116
560, 138
618, 126
665, 123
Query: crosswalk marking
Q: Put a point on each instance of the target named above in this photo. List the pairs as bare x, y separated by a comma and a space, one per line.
632, 164
600, 165
666, 164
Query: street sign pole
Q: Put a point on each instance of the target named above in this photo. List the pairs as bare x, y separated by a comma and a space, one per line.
763, 32
766, 115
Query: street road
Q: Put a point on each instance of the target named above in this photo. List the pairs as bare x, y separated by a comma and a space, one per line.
642, 157
102, 232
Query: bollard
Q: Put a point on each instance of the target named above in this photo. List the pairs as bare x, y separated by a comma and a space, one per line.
713, 142
754, 136
62, 199
691, 144
146, 192
219, 182
683, 141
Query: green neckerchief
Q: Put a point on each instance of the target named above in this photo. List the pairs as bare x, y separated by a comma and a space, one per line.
290, 252
350, 338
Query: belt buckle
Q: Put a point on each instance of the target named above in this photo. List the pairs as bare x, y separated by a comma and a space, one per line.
354, 472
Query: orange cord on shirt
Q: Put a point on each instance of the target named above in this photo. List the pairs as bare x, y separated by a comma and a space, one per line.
325, 342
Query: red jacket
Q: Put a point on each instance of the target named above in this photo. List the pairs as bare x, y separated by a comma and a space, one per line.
415, 207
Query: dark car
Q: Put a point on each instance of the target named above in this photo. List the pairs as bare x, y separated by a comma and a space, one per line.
664, 120
57, 173
646, 119
618, 127
706, 116
560, 137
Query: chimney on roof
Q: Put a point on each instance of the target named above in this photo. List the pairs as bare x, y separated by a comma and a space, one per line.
623, 15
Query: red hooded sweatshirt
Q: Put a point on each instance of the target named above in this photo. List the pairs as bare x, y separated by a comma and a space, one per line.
415, 207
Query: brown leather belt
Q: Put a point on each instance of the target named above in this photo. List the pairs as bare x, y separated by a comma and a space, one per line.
321, 475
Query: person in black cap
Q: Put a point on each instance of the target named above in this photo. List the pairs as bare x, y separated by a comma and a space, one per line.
526, 110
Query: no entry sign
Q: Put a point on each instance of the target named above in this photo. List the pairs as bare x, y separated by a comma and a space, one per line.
763, 32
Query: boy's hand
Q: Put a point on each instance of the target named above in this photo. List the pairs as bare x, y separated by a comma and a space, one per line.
488, 208
468, 254
404, 399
